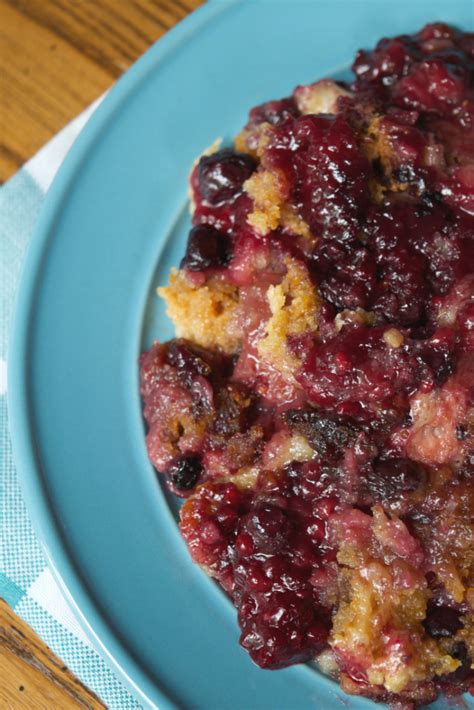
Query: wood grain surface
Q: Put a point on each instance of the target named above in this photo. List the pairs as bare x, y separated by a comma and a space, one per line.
57, 56
31, 676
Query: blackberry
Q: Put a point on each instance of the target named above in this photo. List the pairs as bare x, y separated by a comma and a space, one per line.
185, 473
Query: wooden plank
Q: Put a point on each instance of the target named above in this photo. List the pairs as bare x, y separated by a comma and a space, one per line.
31, 675
44, 81
57, 56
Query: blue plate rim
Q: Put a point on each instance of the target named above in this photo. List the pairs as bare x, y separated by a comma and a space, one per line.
42, 516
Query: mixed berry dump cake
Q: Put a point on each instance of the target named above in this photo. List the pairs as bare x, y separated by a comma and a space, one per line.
316, 407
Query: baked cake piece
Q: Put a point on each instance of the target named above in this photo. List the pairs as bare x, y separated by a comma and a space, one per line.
316, 407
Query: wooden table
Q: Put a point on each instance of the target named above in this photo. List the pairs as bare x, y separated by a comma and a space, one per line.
56, 57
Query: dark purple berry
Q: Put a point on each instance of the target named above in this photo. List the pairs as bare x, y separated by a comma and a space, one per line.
268, 527
184, 474
350, 279
274, 112
187, 360
460, 653
392, 477
206, 249
326, 435
442, 621
221, 175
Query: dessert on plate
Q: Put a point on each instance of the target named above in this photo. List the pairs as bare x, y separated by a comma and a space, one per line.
315, 409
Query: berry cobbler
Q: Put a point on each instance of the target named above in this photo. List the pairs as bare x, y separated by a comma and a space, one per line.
316, 409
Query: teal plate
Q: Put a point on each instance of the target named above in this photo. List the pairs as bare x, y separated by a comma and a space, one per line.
113, 223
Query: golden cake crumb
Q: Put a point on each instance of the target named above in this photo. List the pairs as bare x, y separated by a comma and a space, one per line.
265, 187
393, 338
466, 634
320, 97
284, 448
290, 219
372, 604
241, 143
207, 314
271, 210
246, 478
294, 304
358, 316
376, 144
254, 140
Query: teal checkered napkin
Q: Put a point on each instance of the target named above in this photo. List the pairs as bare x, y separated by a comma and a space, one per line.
25, 581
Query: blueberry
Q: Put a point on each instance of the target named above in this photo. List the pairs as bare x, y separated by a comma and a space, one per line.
442, 621
221, 175
207, 248
184, 474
